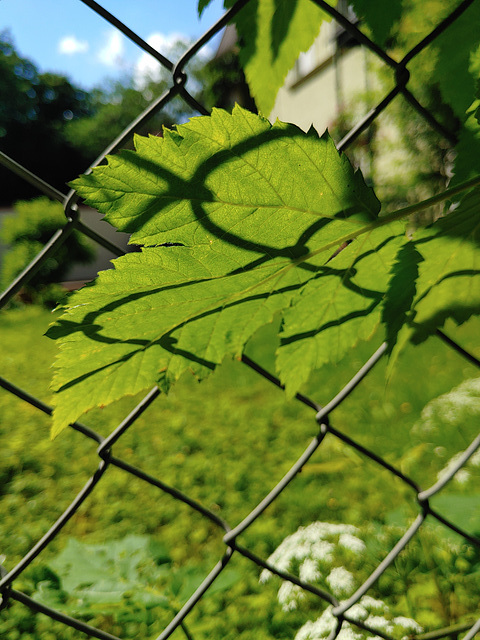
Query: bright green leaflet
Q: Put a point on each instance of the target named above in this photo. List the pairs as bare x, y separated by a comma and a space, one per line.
446, 260
457, 71
273, 34
96, 576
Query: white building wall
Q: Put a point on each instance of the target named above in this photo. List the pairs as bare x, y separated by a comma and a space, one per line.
323, 83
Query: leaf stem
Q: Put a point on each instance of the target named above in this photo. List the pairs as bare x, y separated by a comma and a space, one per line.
393, 217
425, 204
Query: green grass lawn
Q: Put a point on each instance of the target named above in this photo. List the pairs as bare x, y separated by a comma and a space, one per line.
226, 442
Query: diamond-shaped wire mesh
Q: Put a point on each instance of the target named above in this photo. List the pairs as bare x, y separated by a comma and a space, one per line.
233, 531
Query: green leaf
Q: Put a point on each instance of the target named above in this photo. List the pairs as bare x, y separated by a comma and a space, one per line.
338, 307
379, 19
456, 71
256, 206
467, 162
272, 34
458, 64
447, 285
202, 5
104, 574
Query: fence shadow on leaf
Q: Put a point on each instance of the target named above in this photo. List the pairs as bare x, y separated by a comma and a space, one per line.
200, 200
188, 305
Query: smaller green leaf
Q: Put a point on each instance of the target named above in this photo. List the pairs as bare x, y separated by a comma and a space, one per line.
105, 575
273, 33
202, 5
447, 285
477, 104
467, 162
51, 595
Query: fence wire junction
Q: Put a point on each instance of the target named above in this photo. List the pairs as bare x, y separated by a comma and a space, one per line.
105, 446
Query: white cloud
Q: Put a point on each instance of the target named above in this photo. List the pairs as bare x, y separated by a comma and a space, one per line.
147, 68
70, 45
111, 54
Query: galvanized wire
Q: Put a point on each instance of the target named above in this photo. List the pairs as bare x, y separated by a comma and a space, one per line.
232, 532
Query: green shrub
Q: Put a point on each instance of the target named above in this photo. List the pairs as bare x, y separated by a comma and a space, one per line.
25, 233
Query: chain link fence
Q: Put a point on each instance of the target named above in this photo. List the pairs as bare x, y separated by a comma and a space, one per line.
322, 414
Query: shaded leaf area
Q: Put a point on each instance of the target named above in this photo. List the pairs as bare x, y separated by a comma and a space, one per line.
458, 64
444, 262
457, 71
257, 210
401, 291
272, 34
379, 20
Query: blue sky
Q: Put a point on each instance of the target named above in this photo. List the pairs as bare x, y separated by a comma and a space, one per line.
67, 37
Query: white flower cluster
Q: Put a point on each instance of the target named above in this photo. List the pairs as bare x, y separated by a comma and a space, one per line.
451, 408
369, 611
311, 550
463, 474
460, 406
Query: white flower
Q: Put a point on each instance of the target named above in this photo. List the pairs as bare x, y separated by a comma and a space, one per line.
368, 610
351, 542
319, 628
322, 551
357, 612
341, 581
373, 605
462, 475
379, 623
323, 626
475, 459
309, 571
265, 576
289, 594
461, 403
306, 542
408, 624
